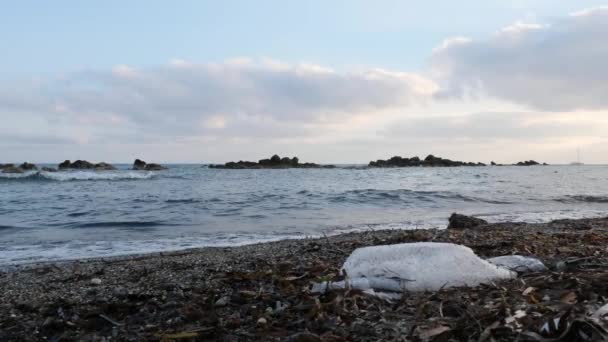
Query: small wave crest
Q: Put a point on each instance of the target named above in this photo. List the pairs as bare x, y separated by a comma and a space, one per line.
405, 195
63, 176
583, 199
119, 224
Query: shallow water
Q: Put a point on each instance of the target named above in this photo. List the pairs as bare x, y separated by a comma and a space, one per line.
64, 215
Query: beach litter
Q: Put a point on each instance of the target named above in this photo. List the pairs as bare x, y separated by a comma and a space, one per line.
422, 266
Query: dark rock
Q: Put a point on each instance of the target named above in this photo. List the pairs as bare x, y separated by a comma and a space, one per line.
155, 167
304, 337
28, 167
65, 165
275, 162
492, 163
11, 169
82, 165
104, 167
430, 160
139, 164
527, 163
275, 159
49, 169
458, 221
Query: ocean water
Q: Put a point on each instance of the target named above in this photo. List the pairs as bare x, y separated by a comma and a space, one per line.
79, 214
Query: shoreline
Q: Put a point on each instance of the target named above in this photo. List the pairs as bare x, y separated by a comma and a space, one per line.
227, 293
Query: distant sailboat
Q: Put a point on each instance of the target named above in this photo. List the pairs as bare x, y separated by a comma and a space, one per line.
578, 158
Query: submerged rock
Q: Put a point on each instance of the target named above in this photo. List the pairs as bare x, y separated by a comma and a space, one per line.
274, 162
49, 169
459, 221
430, 160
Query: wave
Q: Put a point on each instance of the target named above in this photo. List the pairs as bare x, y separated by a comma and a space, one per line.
119, 224
582, 199
63, 176
406, 195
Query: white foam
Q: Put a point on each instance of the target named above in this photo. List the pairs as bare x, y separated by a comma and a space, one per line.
96, 175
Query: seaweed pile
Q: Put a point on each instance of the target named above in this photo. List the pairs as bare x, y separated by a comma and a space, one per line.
262, 292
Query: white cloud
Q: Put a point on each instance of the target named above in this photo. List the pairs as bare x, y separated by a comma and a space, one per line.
560, 66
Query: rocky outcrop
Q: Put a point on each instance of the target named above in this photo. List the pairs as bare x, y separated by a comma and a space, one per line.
28, 167
274, 162
85, 165
528, 163
104, 167
49, 169
459, 221
9, 168
430, 160
141, 165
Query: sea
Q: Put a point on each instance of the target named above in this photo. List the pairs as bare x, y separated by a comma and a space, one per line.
47, 216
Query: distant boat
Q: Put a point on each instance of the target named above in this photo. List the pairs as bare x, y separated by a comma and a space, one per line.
578, 158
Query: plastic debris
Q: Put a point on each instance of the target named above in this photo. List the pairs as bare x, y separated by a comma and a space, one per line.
419, 266
519, 263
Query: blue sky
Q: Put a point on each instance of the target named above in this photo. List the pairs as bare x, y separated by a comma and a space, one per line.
329, 81
60, 36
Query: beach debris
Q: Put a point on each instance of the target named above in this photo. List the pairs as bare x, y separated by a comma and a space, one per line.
423, 266
171, 297
518, 263
459, 221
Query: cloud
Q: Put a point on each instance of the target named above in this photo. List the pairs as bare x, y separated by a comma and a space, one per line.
501, 126
555, 67
236, 99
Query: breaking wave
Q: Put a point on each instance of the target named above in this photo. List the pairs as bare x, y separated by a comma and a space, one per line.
63, 176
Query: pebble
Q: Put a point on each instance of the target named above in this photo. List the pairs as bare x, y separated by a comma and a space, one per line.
222, 301
262, 321
96, 281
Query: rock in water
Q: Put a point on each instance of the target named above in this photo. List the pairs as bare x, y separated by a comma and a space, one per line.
28, 166
11, 169
458, 221
519, 263
423, 266
139, 164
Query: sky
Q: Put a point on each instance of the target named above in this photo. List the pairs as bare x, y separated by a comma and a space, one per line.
327, 81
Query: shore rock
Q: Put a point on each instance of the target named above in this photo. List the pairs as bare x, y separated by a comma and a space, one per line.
274, 162
141, 165
459, 221
430, 160
49, 169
